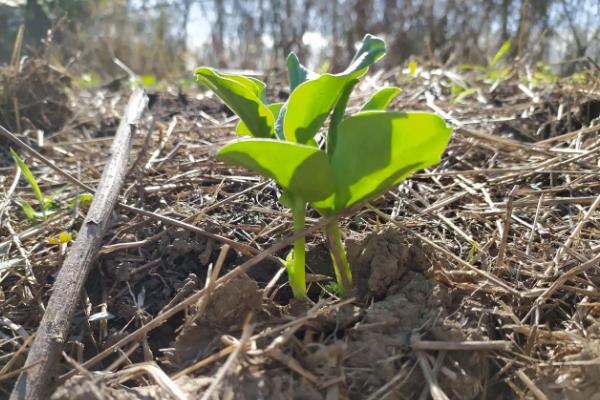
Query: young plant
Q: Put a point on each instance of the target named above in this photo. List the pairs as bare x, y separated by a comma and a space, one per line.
364, 154
44, 201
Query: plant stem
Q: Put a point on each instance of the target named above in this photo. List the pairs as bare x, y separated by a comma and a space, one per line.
339, 258
296, 273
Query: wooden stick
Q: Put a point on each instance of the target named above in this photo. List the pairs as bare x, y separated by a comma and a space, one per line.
476, 345
44, 355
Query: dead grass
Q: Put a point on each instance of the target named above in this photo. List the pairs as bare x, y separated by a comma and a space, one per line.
508, 223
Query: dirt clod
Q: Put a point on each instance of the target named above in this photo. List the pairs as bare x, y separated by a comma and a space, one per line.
382, 259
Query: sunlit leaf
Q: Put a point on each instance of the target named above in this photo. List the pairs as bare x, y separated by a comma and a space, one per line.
313, 100
29, 212
85, 199
148, 80
244, 96
381, 99
300, 169
371, 49
464, 94
309, 105
48, 202
62, 238
377, 150
412, 67
29, 176
503, 49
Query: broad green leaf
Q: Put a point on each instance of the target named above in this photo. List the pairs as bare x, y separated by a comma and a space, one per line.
503, 49
376, 150
242, 128
29, 176
381, 99
311, 102
300, 169
253, 84
309, 105
298, 73
244, 96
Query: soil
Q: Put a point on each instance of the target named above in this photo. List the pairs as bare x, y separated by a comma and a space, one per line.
461, 254
369, 339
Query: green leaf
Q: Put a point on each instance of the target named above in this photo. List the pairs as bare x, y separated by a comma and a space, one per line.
298, 73
376, 150
412, 67
300, 169
244, 96
242, 129
30, 213
503, 49
338, 115
372, 49
381, 99
85, 199
48, 203
464, 94
148, 80
29, 176
309, 105
311, 101
62, 238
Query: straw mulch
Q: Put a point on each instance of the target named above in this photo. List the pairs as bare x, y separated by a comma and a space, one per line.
478, 278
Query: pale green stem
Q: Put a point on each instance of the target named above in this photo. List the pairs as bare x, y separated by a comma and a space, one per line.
341, 266
296, 272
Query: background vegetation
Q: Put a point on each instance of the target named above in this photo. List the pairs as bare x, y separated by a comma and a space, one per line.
162, 37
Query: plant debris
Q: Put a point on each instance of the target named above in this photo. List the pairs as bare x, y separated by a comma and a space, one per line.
477, 278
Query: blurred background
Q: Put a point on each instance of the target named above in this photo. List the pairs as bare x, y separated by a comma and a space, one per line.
169, 38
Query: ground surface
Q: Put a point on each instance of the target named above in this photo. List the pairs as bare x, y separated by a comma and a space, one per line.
478, 278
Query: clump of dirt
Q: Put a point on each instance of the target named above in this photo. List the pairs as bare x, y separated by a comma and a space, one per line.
390, 268
381, 260
229, 306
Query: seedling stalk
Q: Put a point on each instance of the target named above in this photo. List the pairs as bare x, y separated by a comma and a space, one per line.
295, 268
341, 266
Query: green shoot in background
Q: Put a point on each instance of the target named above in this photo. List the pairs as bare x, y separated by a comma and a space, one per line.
364, 154
45, 202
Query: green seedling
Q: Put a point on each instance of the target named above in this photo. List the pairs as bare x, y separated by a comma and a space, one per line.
412, 68
362, 156
492, 72
45, 202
